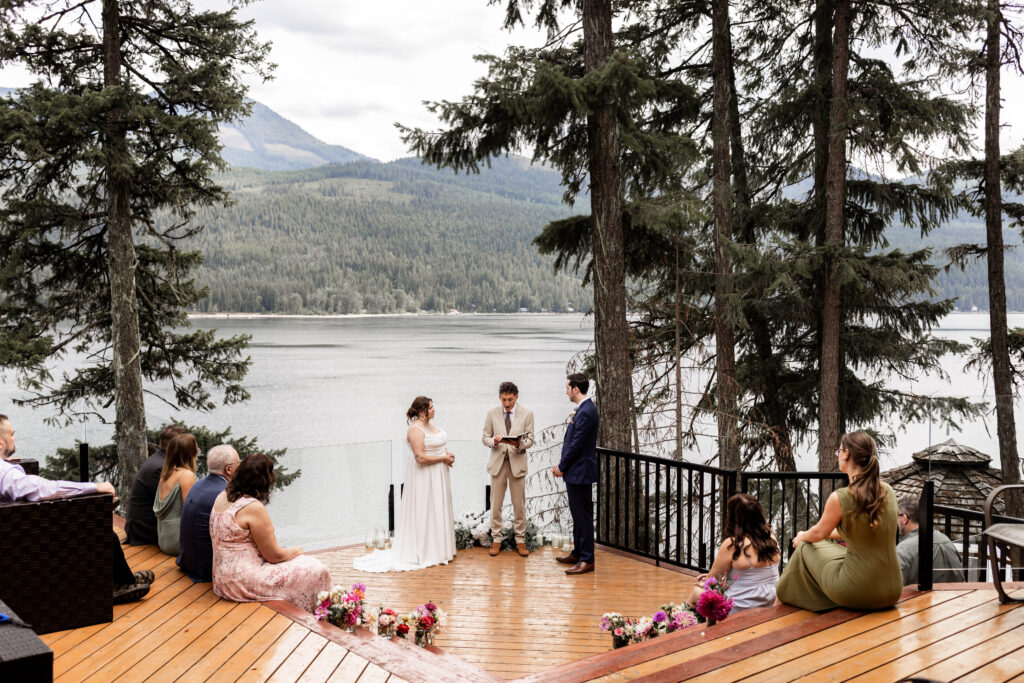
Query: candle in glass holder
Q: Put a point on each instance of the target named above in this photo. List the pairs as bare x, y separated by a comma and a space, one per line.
565, 543
378, 538
369, 540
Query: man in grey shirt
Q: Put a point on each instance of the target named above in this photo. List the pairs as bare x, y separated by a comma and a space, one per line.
946, 564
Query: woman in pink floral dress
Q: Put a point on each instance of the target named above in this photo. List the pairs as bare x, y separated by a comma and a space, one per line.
248, 563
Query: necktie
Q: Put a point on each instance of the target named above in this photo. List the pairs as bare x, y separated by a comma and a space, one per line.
508, 423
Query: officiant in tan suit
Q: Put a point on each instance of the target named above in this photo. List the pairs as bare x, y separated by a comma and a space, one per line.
507, 464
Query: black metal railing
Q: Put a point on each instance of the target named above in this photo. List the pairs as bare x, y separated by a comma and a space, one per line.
671, 511
964, 528
666, 510
792, 501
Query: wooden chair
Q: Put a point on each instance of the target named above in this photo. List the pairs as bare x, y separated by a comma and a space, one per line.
1010, 533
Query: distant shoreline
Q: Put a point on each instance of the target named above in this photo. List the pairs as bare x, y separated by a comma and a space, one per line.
323, 316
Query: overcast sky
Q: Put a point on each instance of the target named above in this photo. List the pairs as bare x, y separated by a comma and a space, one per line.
348, 69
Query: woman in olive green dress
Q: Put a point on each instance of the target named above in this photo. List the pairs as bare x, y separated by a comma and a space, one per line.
865, 574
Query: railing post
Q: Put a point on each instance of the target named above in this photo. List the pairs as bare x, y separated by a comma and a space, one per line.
925, 536
83, 462
487, 498
391, 507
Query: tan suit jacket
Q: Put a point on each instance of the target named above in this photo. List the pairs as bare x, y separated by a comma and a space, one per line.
495, 424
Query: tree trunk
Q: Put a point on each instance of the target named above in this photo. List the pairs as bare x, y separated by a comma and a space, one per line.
1002, 380
130, 409
721, 135
828, 407
820, 117
611, 332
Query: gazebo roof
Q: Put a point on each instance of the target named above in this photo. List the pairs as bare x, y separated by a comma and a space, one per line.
961, 474
952, 454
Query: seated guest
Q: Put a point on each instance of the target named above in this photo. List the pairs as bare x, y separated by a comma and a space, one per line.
865, 573
140, 522
176, 479
196, 555
15, 485
248, 564
748, 557
946, 564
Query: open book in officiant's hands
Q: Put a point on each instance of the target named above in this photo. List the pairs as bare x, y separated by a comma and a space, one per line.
512, 440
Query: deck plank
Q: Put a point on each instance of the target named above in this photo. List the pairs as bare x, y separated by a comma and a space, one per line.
264, 667
668, 662
298, 661
324, 665
1002, 669
1000, 636
959, 645
114, 637
822, 661
202, 635
247, 656
349, 670
781, 654
373, 674
117, 658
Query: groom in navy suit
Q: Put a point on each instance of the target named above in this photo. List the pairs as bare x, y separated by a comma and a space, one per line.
578, 467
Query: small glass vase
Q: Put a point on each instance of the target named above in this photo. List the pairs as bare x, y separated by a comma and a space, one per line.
424, 638
619, 641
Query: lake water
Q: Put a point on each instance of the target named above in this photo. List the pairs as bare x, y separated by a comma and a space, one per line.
334, 392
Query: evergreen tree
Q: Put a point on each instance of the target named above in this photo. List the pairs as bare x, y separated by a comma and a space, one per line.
570, 100
121, 122
105, 464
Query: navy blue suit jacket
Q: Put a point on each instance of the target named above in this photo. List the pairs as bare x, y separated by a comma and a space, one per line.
579, 449
196, 554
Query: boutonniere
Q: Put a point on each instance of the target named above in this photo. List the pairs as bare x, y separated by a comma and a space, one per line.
572, 415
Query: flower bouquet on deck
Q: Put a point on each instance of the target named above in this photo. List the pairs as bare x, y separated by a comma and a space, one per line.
387, 622
403, 624
672, 617
619, 626
713, 604
428, 620
342, 608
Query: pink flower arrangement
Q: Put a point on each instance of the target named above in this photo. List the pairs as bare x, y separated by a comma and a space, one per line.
428, 620
342, 608
713, 604
626, 631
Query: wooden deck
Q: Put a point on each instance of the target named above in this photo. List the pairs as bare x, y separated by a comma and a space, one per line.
515, 616
523, 618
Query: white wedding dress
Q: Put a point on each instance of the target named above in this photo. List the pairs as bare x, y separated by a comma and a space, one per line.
426, 523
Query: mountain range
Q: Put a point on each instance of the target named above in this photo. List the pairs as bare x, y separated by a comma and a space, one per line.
335, 229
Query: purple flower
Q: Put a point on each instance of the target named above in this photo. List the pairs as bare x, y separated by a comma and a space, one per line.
430, 606
660, 616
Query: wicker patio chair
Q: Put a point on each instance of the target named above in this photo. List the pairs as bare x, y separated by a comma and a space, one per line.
1007, 533
23, 657
56, 567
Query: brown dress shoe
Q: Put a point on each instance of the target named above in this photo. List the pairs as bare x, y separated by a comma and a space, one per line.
568, 559
521, 549
581, 568
495, 549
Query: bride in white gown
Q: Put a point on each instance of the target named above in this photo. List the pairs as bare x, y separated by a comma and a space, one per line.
426, 525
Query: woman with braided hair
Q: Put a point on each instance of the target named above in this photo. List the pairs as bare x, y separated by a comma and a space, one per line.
865, 572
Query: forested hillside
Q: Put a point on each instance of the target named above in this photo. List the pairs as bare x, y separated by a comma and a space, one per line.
397, 237
970, 285
385, 238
